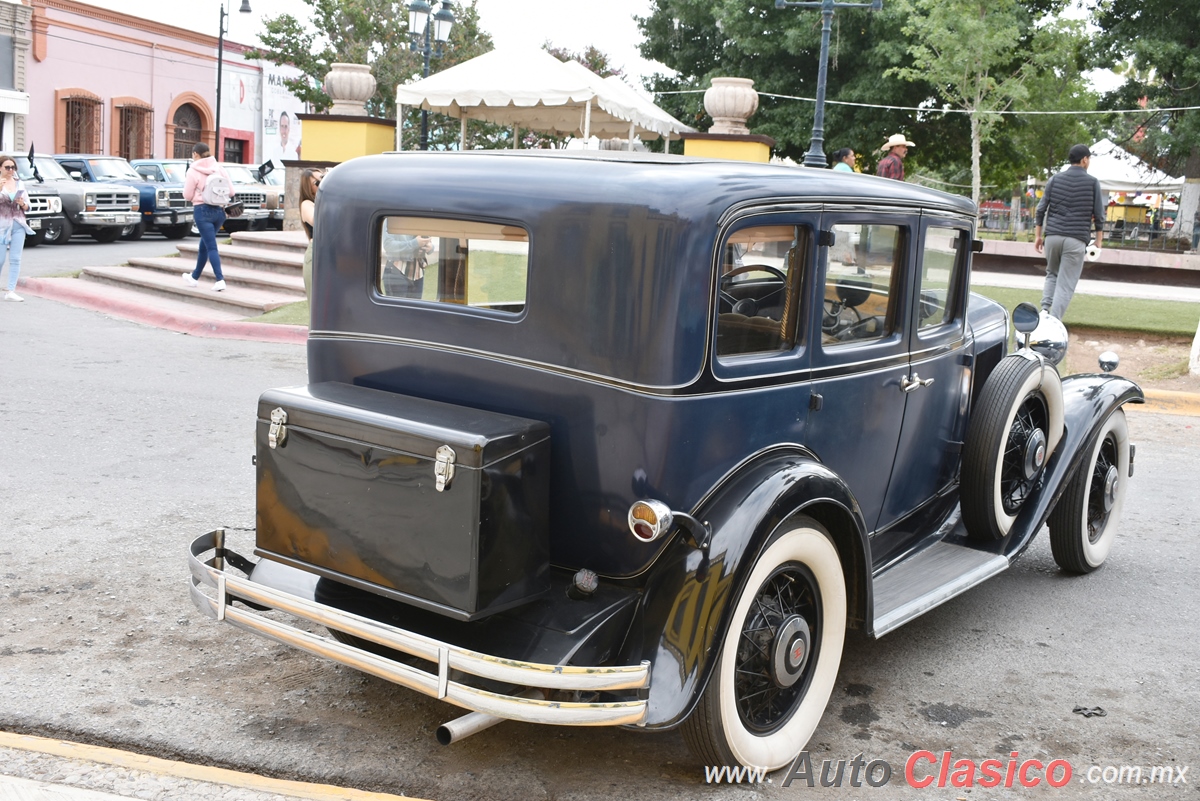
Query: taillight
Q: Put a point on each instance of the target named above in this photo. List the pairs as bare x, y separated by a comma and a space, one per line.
649, 520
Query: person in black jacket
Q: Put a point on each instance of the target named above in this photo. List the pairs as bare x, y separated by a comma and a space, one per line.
1071, 206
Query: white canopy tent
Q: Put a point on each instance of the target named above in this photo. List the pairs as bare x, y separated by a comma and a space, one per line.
1118, 170
534, 90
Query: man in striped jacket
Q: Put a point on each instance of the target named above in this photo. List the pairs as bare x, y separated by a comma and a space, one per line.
1071, 207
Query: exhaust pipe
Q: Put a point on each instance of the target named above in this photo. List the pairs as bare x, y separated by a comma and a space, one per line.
474, 722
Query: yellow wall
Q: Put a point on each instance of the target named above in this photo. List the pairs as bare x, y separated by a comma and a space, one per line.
717, 149
337, 140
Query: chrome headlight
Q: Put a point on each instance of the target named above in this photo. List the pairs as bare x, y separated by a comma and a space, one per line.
1049, 339
56, 205
164, 198
89, 199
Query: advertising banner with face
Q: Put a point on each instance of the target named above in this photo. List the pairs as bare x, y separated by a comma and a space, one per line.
281, 123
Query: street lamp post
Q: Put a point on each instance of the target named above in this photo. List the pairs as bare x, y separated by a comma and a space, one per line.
815, 157
420, 29
245, 9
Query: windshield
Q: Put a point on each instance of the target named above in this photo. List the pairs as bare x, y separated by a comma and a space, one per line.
274, 178
114, 168
239, 174
50, 169
175, 170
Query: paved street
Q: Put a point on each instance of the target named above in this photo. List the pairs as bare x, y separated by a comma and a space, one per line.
81, 251
121, 443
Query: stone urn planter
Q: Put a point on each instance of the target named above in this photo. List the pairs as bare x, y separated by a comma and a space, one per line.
730, 102
350, 86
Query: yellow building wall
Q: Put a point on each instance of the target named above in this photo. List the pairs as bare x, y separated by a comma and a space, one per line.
339, 140
717, 149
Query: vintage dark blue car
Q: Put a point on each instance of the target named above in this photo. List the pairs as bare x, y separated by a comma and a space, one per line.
626, 439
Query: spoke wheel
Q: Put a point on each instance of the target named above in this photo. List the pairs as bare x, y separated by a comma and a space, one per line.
779, 655
1084, 523
1014, 429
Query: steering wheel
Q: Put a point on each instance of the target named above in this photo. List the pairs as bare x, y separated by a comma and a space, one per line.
832, 323
753, 303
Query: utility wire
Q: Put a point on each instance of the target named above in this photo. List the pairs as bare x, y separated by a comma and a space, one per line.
951, 110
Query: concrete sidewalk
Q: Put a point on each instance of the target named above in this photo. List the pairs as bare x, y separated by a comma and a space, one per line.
1120, 289
44, 769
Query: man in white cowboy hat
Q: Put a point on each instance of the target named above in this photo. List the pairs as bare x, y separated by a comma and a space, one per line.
892, 165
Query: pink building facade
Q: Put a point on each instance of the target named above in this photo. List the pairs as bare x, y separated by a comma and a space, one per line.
103, 82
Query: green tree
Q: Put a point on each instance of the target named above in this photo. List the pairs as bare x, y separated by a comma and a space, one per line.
591, 57
981, 55
1159, 43
373, 32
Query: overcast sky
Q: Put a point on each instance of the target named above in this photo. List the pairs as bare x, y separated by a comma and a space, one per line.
574, 24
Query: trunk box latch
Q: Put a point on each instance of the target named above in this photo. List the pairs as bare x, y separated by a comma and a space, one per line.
277, 434
443, 467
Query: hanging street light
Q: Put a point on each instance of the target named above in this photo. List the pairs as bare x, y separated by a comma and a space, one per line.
245, 9
421, 29
815, 157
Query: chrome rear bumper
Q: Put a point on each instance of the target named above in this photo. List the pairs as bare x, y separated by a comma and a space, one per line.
447, 658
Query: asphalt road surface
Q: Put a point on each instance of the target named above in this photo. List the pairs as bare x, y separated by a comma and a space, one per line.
121, 443
82, 251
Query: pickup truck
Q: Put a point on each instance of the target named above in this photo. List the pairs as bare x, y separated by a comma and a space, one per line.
262, 204
101, 210
161, 205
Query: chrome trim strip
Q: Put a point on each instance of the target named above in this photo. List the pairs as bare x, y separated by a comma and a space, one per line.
595, 378
447, 657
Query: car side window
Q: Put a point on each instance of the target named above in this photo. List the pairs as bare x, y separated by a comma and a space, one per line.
859, 300
942, 257
481, 265
759, 286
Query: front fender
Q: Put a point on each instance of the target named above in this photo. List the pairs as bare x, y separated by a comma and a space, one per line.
1087, 401
685, 609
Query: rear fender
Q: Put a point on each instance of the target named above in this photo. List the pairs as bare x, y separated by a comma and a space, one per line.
1087, 401
686, 606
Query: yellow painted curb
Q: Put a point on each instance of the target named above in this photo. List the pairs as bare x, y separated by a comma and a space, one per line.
1162, 401
183, 770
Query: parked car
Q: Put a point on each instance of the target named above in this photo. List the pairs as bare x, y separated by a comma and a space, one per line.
274, 177
162, 206
45, 210
101, 210
260, 201
629, 439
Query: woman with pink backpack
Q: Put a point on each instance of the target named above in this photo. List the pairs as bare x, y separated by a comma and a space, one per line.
208, 187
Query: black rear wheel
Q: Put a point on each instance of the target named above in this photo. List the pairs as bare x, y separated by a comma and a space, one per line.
779, 657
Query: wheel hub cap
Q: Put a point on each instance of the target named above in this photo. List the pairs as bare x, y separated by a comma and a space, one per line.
1035, 453
1112, 481
793, 642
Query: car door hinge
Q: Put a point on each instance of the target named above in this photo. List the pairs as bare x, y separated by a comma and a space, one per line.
815, 402
826, 239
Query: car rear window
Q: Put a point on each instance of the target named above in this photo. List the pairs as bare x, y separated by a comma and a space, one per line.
460, 262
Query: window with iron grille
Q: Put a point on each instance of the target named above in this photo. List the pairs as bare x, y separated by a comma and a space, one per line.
83, 124
235, 150
135, 131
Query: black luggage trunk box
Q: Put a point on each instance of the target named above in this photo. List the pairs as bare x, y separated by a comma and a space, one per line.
349, 488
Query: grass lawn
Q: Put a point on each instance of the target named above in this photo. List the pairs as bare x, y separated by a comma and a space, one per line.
291, 314
1167, 317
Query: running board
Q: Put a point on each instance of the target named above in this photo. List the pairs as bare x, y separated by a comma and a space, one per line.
928, 579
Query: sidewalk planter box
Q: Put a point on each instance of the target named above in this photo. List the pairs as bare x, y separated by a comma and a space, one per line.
440, 506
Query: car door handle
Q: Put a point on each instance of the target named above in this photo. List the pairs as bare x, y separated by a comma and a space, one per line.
909, 384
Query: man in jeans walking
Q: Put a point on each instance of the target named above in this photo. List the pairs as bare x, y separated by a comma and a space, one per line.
1071, 207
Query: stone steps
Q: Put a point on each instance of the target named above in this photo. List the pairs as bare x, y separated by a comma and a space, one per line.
243, 298
260, 259
235, 274
284, 241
